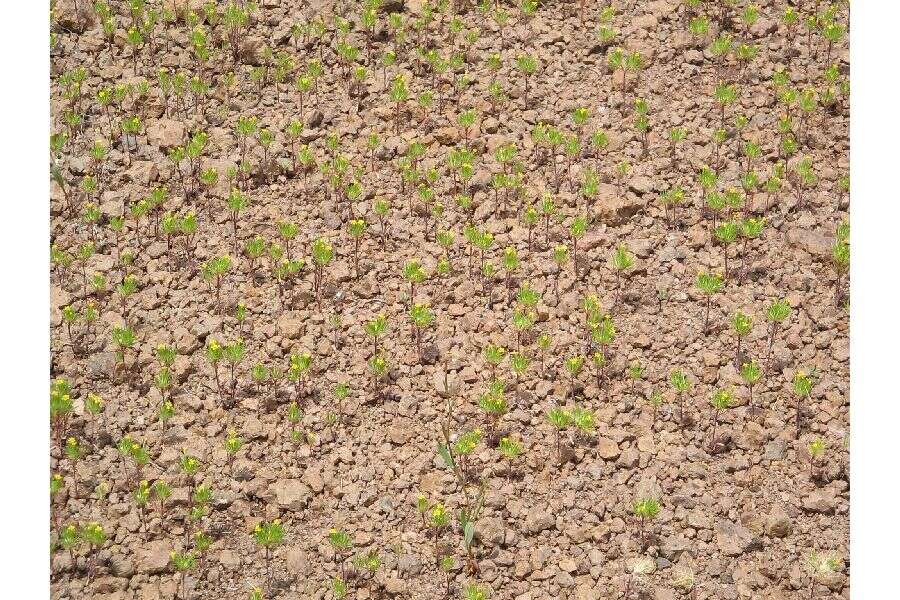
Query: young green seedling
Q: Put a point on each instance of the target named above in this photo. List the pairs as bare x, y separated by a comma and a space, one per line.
645, 509
803, 384
816, 449
776, 313
622, 261
751, 374
742, 325
708, 284
560, 419
269, 536
721, 400
681, 384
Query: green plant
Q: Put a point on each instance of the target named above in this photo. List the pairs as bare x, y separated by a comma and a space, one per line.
94, 535
635, 372
645, 509
816, 449
233, 354
232, 445
820, 566
415, 274
375, 328
269, 536
840, 259
622, 261
721, 400
74, 451
574, 365
214, 271
742, 325
751, 374
527, 65
560, 419
475, 592
776, 313
342, 544
422, 317
708, 284
183, 562
69, 539
726, 234
322, 253
803, 384
681, 384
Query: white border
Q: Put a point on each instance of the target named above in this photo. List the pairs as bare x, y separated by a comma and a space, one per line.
874, 329
25, 301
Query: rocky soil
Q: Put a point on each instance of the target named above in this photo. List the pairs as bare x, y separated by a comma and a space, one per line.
740, 512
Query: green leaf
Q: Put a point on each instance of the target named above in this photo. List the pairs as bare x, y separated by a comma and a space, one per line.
445, 454
468, 533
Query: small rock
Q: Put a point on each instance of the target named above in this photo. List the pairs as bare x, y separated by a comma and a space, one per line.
409, 564
290, 325
538, 520
230, 560
779, 524
165, 133
629, 459
607, 449
68, 17
813, 242
614, 208
819, 501
734, 539
291, 494
102, 364
153, 557
297, 561
315, 118
394, 586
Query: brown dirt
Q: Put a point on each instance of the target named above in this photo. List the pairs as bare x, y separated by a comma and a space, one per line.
743, 518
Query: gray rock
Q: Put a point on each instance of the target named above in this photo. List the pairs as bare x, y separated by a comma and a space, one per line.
230, 560
490, 531
315, 118
297, 561
409, 564
734, 539
69, 18
102, 364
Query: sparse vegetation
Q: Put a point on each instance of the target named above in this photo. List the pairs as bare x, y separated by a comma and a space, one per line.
387, 299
